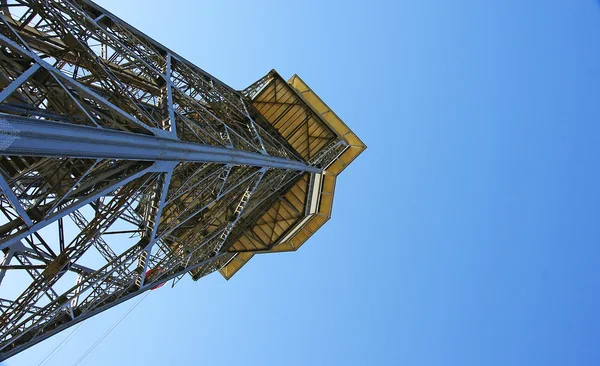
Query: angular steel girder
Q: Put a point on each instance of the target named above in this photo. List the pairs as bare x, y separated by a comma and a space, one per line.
56, 139
123, 166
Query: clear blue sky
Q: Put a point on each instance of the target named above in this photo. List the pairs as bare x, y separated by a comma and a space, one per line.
466, 234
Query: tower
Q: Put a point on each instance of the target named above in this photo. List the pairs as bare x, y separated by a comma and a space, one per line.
124, 166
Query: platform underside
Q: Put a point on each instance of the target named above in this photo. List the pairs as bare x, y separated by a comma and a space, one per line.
317, 134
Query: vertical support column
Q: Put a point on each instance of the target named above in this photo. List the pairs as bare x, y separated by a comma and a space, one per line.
172, 124
144, 256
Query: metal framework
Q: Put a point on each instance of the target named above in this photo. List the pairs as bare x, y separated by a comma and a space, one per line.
108, 137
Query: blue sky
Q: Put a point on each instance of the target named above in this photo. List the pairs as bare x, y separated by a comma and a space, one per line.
466, 234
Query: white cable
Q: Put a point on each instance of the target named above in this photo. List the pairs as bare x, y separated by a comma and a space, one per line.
54, 351
108, 331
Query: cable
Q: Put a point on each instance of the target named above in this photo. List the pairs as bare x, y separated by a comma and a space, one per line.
66, 340
108, 331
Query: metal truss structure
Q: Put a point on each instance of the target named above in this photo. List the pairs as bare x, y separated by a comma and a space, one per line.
109, 137
124, 166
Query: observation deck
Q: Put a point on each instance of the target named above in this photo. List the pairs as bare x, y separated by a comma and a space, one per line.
320, 137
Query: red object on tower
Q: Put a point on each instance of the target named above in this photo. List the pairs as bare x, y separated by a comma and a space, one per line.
149, 273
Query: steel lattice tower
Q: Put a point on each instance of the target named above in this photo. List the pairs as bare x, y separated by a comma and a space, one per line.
125, 166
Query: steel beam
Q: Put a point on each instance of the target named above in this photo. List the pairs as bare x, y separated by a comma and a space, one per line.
6, 261
18, 82
55, 139
12, 198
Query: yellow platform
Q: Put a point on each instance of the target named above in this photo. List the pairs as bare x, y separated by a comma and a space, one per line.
313, 129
